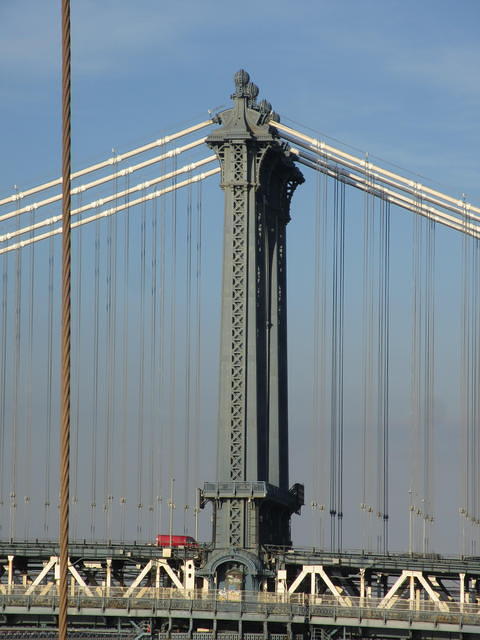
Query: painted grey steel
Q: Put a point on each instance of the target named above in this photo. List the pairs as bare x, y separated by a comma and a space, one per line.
38, 552
212, 612
258, 178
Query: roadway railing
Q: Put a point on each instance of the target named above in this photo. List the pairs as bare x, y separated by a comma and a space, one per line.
158, 601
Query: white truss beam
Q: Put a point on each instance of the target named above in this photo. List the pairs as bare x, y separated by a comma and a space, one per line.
395, 590
139, 579
50, 564
314, 570
160, 564
53, 563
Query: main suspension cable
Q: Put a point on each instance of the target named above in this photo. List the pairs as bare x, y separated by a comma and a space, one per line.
109, 162
114, 210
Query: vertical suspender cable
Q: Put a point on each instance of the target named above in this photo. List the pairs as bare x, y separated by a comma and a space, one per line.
464, 389
325, 339
469, 390
198, 340
340, 364
325, 343
126, 368
365, 356
153, 391
368, 355
95, 383
78, 328
162, 397
475, 362
416, 367
16, 378
336, 438
430, 378
141, 377
413, 486
333, 389
469, 401
30, 366
473, 409
317, 361
385, 365
380, 358
48, 443
173, 322
3, 385
110, 357
66, 270
321, 378
188, 357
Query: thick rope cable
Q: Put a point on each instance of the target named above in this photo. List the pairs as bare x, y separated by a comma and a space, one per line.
65, 349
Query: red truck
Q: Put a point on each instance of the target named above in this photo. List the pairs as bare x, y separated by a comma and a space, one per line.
179, 542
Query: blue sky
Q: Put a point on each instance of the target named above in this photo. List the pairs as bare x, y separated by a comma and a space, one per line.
396, 79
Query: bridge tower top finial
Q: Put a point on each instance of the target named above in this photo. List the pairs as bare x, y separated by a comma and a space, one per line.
241, 79
244, 88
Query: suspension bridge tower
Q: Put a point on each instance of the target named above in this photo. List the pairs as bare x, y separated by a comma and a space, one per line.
252, 501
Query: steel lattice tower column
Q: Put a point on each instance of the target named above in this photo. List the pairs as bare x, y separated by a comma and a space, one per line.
251, 498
